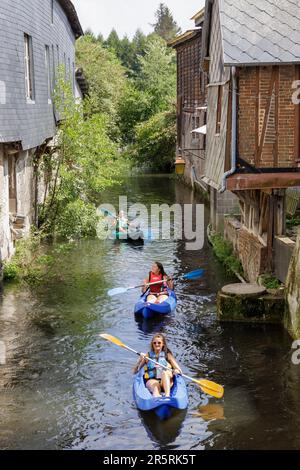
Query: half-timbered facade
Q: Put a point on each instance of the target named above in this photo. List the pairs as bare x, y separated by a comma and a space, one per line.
191, 100
251, 51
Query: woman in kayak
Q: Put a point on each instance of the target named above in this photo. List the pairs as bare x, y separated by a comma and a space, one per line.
158, 292
122, 223
157, 379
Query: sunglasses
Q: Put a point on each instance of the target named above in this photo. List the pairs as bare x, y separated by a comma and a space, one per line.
158, 343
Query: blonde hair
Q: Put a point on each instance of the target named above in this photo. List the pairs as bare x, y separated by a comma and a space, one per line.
165, 346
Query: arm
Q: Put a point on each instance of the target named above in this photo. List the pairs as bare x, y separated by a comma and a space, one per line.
169, 282
141, 362
145, 286
174, 364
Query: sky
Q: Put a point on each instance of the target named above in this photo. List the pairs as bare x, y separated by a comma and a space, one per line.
126, 16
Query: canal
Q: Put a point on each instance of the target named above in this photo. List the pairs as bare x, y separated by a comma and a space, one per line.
62, 387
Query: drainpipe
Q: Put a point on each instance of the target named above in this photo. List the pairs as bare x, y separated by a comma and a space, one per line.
233, 131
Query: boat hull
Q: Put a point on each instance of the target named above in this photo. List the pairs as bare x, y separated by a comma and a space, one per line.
162, 406
148, 310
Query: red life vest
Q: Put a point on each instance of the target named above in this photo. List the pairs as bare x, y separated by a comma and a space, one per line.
156, 289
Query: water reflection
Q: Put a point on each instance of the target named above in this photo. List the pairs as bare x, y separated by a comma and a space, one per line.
163, 432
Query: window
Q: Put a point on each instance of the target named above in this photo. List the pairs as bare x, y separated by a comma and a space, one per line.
12, 184
28, 57
195, 125
48, 71
219, 109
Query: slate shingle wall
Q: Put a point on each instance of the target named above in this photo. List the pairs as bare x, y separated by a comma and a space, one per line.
20, 121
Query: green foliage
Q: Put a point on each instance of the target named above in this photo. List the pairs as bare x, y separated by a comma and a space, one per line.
86, 163
77, 220
10, 271
269, 281
224, 252
165, 25
134, 108
155, 142
29, 263
158, 74
105, 75
293, 221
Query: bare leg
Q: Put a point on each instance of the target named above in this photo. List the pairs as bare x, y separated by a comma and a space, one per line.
154, 387
166, 380
151, 299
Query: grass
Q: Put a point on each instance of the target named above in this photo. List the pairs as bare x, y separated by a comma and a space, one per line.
224, 252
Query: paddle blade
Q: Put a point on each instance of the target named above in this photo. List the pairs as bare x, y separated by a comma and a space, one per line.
210, 388
194, 274
112, 339
117, 291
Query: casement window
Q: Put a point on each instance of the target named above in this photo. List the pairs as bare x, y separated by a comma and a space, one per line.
29, 72
195, 125
219, 109
48, 71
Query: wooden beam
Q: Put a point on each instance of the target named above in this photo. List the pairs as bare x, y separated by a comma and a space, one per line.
267, 115
241, 182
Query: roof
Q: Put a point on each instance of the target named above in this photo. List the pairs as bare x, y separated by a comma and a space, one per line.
260, 32
199, 15
190, 34
72, 16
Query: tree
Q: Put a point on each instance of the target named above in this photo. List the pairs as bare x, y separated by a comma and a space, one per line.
165, 25
85, 164
113, 42
155, 142
135, 107
105, 76
158, 74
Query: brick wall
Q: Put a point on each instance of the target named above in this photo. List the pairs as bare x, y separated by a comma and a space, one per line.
278, 142
19, 121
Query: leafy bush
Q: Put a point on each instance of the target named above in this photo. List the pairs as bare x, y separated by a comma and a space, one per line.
224, 252
155, 142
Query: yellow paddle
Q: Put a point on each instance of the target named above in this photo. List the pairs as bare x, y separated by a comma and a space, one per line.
208, 387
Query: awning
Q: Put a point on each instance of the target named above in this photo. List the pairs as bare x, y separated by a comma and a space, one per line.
200, 130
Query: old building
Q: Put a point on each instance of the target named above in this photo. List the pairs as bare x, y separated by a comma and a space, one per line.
191, 100
36, 36
192, 91
251, 51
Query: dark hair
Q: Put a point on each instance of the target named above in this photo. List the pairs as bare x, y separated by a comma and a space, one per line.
161, 268
165, 346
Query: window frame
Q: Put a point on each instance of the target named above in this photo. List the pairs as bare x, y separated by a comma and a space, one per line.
29, 69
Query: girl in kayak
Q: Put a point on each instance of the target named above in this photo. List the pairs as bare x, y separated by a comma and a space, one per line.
158, 379
122, 223
158, 292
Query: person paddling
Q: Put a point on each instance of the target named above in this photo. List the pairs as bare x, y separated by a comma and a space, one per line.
157, 379
158, 292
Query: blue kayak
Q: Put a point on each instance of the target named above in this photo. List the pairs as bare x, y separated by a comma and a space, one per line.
162, 406
148, 310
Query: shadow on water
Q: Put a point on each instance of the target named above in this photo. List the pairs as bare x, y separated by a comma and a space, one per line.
163, 432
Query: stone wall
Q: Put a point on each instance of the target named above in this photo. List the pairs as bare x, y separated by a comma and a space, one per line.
292, 316
250, 251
